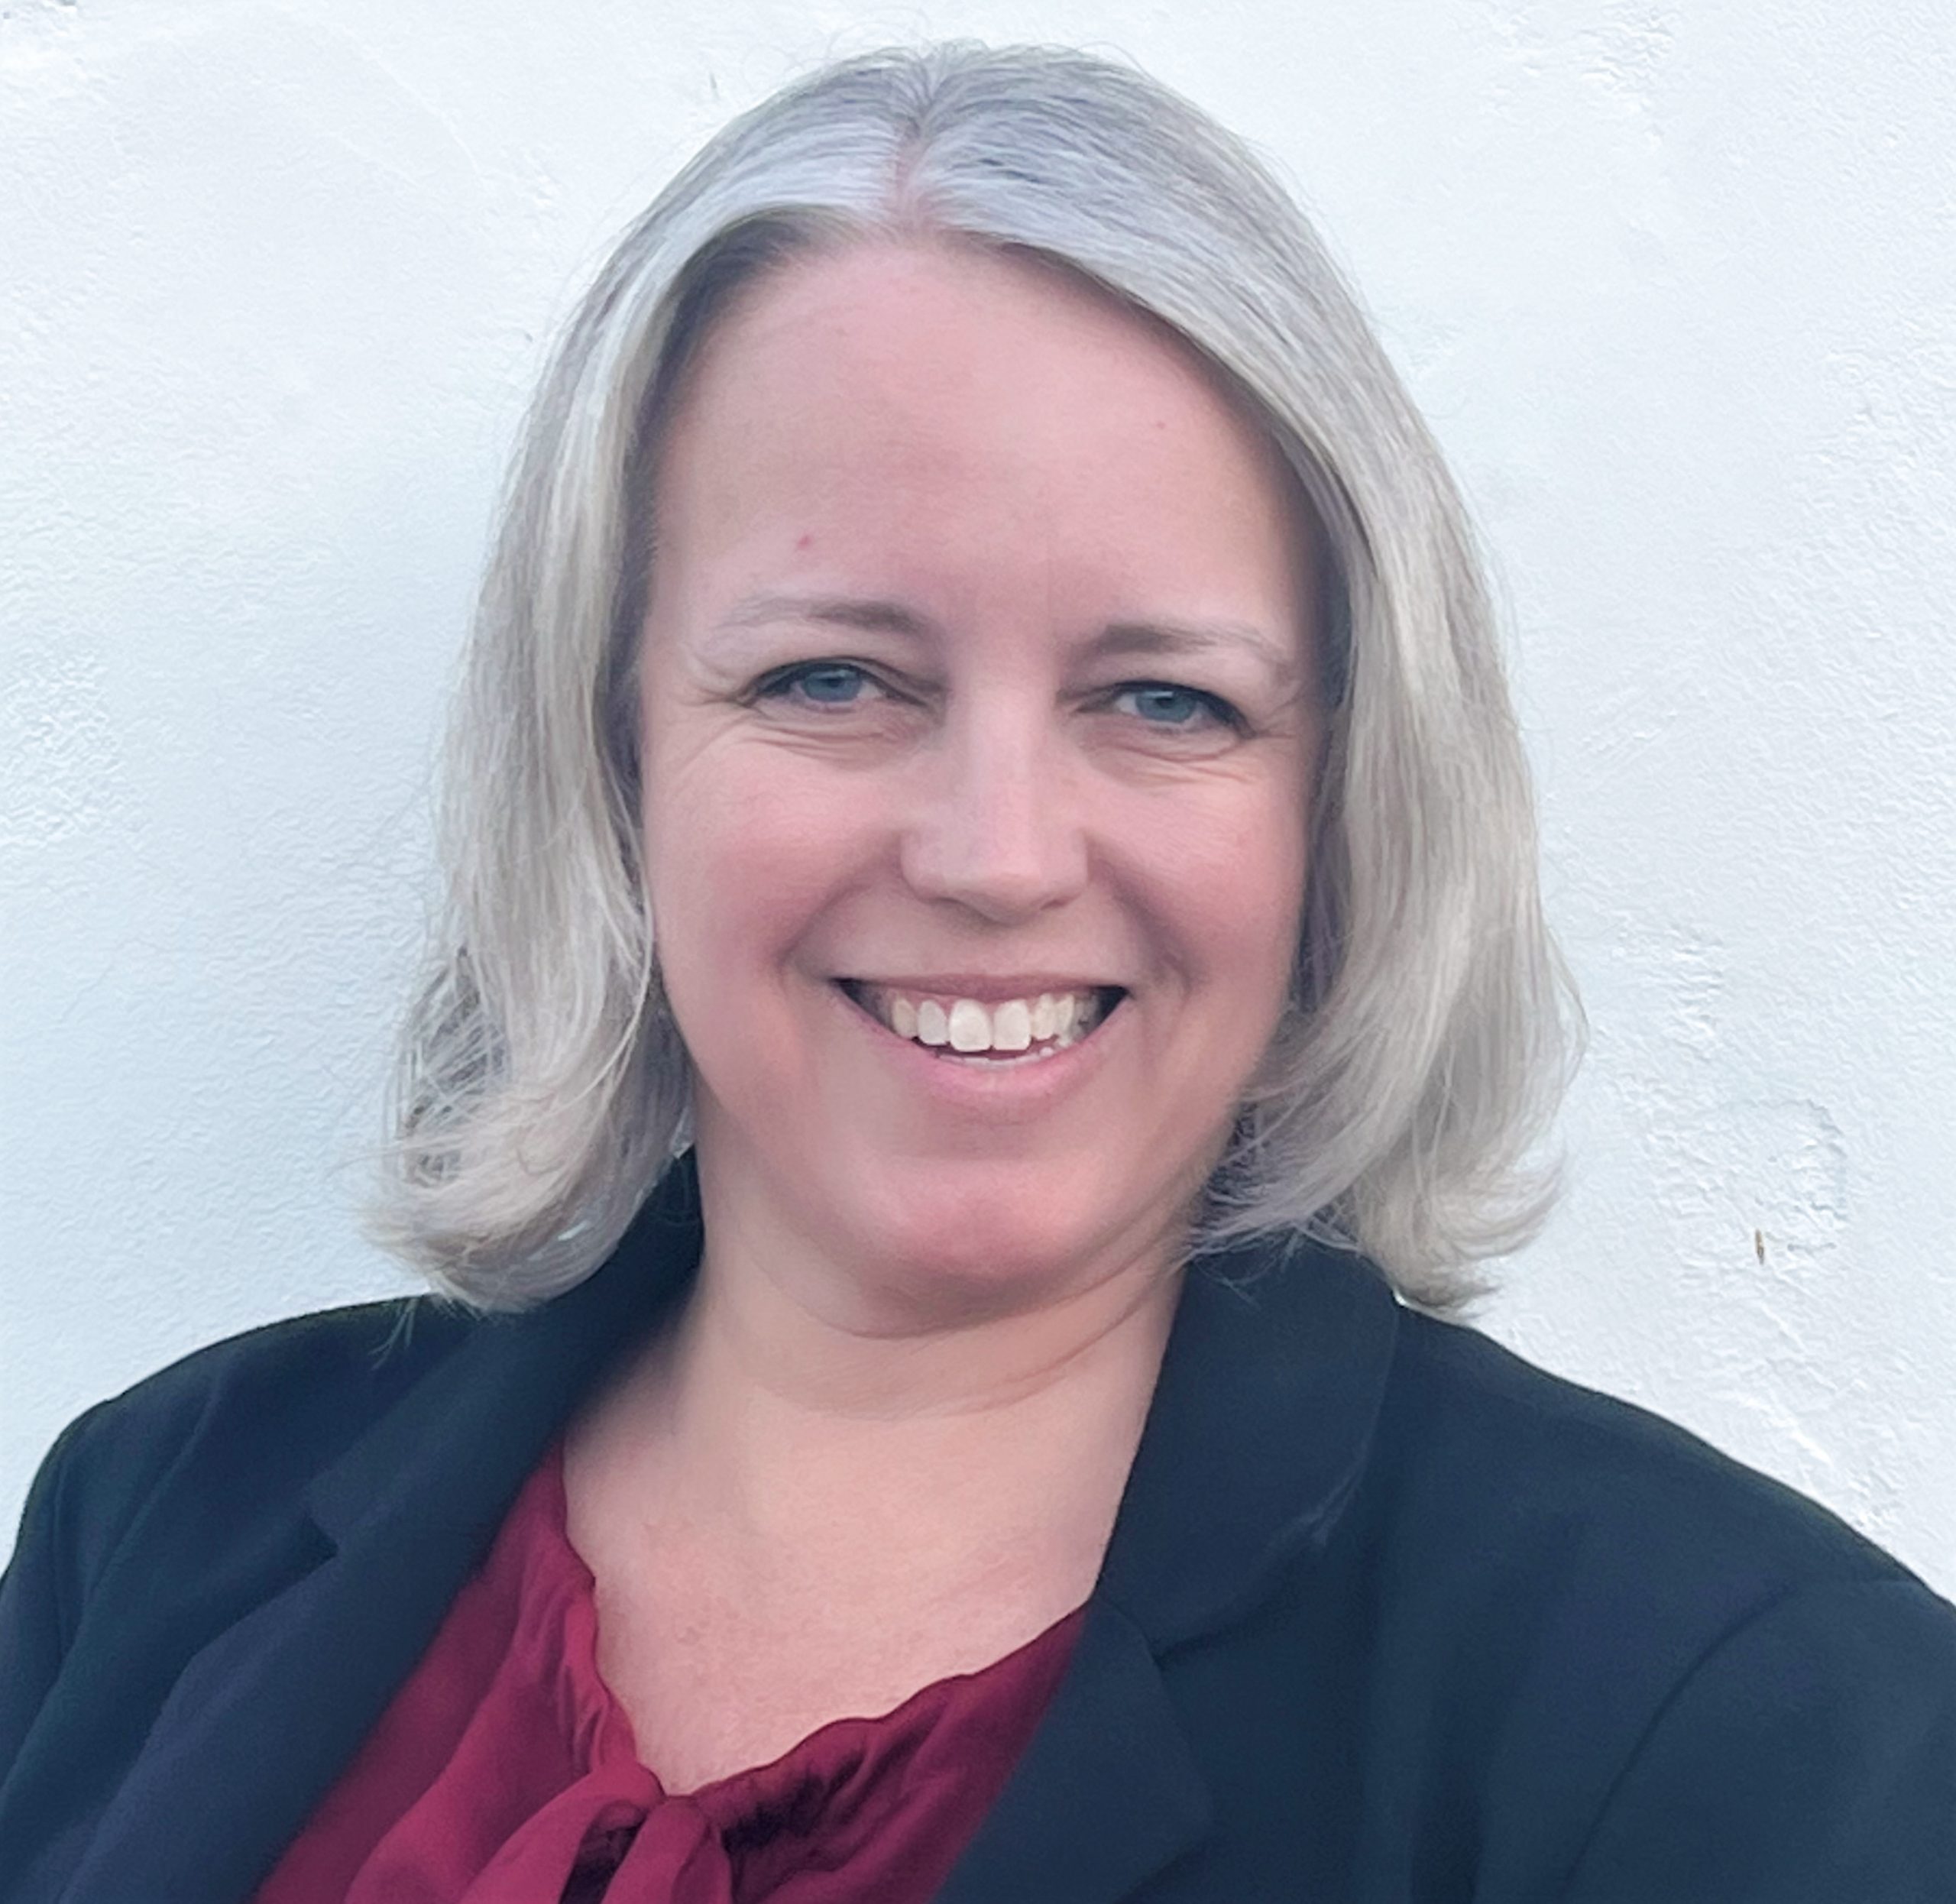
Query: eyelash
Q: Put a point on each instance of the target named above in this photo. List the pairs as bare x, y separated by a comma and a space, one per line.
781, 684
1214, 706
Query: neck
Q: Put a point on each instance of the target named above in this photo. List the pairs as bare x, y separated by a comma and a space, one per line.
789, 1403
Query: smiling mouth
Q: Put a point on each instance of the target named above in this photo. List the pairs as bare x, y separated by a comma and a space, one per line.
1041, 1025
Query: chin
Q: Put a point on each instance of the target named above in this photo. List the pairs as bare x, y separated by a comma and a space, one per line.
994, 1240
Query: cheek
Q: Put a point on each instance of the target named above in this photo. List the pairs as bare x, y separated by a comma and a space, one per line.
1236, 888
740, 859
1255, 961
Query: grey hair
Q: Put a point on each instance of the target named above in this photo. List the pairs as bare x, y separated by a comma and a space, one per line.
542, 1086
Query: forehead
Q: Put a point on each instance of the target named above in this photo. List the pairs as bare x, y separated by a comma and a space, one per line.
956, 404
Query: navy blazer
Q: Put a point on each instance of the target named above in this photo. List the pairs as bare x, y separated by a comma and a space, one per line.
1386, 1614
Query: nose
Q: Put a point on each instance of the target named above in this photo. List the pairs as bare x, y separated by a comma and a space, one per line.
997, 828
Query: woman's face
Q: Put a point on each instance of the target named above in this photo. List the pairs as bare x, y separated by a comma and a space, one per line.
975, 697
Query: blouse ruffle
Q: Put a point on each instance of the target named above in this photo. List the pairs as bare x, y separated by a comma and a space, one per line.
505, 1772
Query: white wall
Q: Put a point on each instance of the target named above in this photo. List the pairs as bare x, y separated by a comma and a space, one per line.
1674, 282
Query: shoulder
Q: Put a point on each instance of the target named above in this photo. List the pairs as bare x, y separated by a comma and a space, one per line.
1727, 1689
1471, 1434
169, 1482
257, 1414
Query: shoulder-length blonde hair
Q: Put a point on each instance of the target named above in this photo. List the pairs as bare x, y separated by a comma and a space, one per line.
542, 1086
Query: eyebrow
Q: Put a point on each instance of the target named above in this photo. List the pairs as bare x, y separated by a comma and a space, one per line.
1171, 638
1175, 638
873, 616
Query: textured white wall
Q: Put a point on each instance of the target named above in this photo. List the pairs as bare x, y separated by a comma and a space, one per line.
1674, 284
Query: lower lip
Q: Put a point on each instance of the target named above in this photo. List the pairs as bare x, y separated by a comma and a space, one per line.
1020, 1080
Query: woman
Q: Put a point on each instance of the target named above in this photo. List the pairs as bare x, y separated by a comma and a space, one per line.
994, 924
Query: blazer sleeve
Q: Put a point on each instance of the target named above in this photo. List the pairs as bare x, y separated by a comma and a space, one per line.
37, 1599
1809, 1757
89, 1491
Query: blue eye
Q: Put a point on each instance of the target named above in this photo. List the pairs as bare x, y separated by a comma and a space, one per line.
825, 684
1162, 704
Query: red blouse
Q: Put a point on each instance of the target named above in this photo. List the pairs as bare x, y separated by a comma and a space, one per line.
504, 1771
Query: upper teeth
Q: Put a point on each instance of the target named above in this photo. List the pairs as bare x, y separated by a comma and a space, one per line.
1012, 1024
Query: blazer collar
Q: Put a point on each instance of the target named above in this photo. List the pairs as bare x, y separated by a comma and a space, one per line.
1260, 1426
452, 1455
1259, 1429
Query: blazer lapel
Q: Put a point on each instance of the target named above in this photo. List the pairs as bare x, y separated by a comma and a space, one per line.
264, 1717
1259, 1429
1106, 1794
